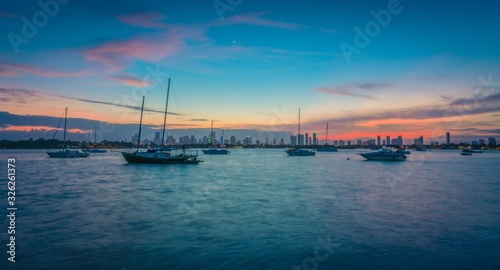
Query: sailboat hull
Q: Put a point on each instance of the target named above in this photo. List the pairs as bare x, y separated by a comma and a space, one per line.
327, 149
300, 152
67, 154
151, 159
215, 151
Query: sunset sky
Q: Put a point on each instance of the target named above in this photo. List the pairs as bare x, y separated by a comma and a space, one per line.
367, 68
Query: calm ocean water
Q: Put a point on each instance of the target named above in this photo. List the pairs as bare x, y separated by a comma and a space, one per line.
255, 209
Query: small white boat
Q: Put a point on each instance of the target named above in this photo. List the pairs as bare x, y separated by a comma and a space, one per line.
385, 155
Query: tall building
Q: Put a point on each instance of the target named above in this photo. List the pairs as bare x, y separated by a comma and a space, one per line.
315, 139
388, 139
156, 140
349, 143
247, 140
293, 140
492, 141
300, 139
359, 142
481, 141
282, 141
212, 138
341, 143
378, 140
400, 140
447, 138
233, 140
419, 141
307, 136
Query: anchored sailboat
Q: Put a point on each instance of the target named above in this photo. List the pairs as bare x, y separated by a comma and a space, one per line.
161, 156
94, 150
326, 147
212, 150
298, 151
65, 153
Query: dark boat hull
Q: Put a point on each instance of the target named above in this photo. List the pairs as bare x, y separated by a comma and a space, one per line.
215, 152
133, 158
300, 153
327, 149
68, 154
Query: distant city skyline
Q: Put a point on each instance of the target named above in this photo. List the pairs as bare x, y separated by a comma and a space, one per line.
384, 67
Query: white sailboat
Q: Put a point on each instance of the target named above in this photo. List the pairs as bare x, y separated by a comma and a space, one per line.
66, 153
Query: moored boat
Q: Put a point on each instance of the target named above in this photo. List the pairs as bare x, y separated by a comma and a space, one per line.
385, 154
300, 152
214, 150
161, 156
66, 153
326, 147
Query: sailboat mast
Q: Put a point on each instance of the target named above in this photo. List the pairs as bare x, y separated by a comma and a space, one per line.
165, 117
212, 133
298, 137
326, 133
65, 120
140, 125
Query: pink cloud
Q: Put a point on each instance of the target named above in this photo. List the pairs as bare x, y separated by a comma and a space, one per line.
131, 80
117, 54
13, 70
144, 19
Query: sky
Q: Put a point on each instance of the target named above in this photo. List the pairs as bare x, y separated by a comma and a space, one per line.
366, 68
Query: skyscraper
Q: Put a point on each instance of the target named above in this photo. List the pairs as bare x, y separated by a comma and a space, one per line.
400, 140
307, 141
388, 140
447, 138
233, 140
315, 139
492, 141
378, 140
